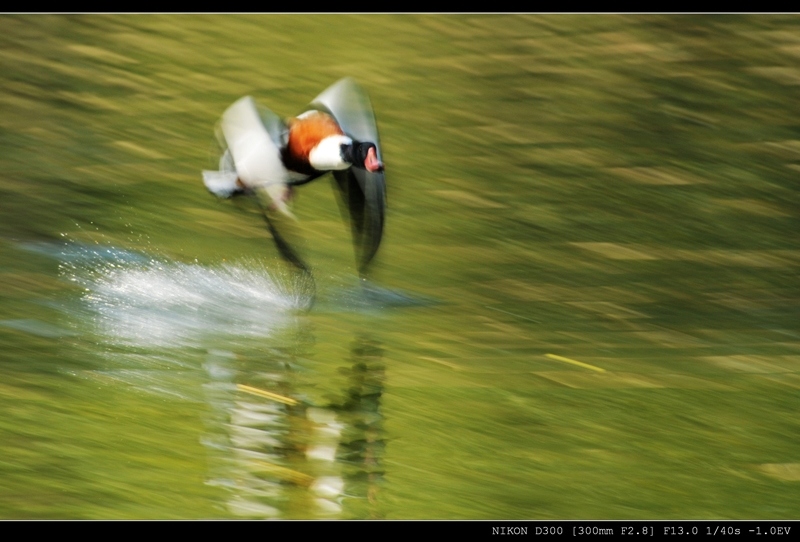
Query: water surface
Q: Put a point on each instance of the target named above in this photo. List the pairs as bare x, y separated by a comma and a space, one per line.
585, 305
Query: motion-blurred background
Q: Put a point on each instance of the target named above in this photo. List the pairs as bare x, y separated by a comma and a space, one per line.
590, 269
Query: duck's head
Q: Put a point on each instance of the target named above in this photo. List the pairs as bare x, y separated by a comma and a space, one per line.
362, 155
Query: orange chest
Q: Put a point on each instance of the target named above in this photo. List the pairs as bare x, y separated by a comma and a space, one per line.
304, 134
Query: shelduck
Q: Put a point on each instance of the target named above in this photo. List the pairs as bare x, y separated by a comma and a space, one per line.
267, 158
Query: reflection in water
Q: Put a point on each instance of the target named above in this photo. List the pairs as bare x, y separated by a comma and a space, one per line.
244, 433
362, 447
275, 451
281, 456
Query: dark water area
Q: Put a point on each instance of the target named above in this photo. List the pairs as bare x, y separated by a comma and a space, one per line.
585, 304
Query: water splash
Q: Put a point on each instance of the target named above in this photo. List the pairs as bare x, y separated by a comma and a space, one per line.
143, 301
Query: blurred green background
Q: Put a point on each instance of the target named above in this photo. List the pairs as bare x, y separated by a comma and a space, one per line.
591, 262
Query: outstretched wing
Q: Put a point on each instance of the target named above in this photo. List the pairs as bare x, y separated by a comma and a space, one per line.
364, 200
251, 137
350, 106
363, 193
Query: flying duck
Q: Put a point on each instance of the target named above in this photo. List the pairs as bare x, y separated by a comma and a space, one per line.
266, 157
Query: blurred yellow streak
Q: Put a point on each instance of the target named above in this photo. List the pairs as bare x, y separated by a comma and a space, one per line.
574, 362
283, 473
267, 394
